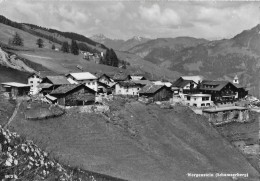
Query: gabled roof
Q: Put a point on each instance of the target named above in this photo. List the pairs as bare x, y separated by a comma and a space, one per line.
180, 83
195, 78
149, 89
218, 85
43, 74
58, 80
129, 83
64, 89
120, 77
82, 75
14, 84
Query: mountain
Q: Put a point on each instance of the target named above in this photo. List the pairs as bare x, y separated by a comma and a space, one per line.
111, 43
223, 59
117, 44
134, 41
162, 49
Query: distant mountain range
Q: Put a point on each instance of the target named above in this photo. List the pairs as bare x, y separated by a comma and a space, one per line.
117, 44
220, 59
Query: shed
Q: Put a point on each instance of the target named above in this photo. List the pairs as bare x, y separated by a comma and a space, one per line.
15, 89
74, 95
156, 92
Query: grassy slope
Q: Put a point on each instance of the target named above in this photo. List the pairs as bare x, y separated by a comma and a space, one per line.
7, 32
6, 109
11, 75
137, 62
155, 144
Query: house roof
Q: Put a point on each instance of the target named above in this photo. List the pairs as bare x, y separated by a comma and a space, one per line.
52, 98
120, 77
195, 78
143, 82
58, 80
14, 84
63, 89
43, 74
239, 86
128, 83
218, 85
181, 83
44, 85
148, 89
83, 76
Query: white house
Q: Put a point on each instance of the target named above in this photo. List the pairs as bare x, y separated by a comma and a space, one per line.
167, 84
36, 78
128, 88
198, 100
195, 78
87, 78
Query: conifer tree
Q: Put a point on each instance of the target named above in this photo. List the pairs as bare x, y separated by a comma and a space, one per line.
65, 47
17, 40
74, 47
39, 42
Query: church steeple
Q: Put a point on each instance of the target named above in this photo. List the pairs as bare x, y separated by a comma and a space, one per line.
235, 80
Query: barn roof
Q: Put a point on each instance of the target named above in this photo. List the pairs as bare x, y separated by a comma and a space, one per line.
14, 84
83, 75
58, 80
181, 83
148, 89
63, 89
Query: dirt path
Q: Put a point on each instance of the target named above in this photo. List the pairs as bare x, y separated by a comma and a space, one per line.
35, 56
14, 113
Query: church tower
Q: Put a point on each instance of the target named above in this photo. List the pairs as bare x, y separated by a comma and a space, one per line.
235, 80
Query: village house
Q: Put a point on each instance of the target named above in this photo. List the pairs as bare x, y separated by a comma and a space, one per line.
106, 79
15, 89
136, 77
198, 100
183, 86
156, 92
74, 95
167, 84
117, 77
128, 88
196, 78
50, 83
87, 78
221, 91
242, 92
35, 79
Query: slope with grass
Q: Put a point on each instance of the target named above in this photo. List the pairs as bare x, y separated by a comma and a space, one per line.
7, 32
137, 142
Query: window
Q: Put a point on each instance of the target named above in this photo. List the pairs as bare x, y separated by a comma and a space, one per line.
205, 98
195, 105
188, 98
88, 83
38, 82
31, 82
202, 105
195, 99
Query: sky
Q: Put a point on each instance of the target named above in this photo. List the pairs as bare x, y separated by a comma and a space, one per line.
123, 19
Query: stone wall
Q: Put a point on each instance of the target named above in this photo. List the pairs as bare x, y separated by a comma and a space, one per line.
228, 116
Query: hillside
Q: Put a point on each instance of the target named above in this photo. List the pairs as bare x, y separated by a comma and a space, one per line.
138, 142
117, 44
223, 59
164, 47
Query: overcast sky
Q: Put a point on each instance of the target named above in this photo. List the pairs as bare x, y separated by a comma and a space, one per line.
124, 19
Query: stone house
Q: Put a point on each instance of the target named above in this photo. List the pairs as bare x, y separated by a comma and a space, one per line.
128, 88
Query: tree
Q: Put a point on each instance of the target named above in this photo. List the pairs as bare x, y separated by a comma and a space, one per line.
65, 47
17, 40
53, 47
39, 42
74, 47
